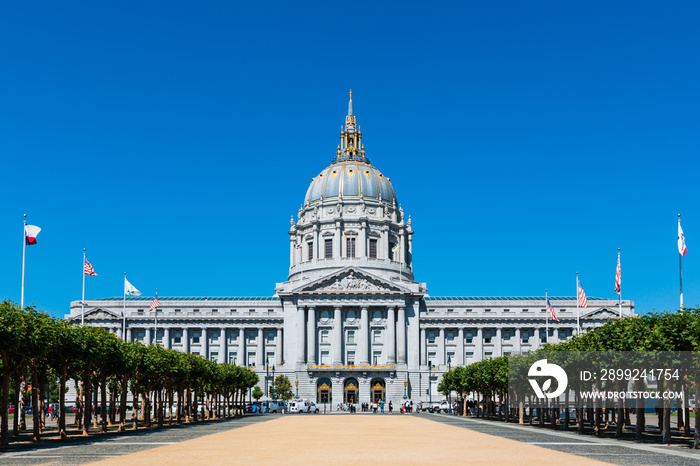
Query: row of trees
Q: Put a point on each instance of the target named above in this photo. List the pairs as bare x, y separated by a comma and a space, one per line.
36, 348
647, 335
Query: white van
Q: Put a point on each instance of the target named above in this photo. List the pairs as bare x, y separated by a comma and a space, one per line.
277, 406
300, 406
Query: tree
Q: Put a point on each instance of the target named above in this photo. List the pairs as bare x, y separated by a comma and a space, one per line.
257, 393
283, 388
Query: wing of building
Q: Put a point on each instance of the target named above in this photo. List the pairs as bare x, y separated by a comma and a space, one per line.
350, 324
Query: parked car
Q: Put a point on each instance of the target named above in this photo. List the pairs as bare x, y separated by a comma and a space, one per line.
253, 407
313, 408
277, 406
300, 406
11, 409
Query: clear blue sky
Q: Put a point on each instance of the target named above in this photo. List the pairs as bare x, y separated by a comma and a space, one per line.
174, 140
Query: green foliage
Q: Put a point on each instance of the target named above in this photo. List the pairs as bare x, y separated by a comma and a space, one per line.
257, 393
283, 388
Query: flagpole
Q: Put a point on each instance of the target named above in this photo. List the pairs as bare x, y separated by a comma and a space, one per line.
680, 263
619, 295
546, 319
24, 252
155, 327
82, 303
578, 310
124, 311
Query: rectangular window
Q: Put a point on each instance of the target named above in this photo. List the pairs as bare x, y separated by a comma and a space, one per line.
178, 310
543, 310
468, 336
233, 336
195, 337
270, 359
543, 336
214, 338
469, 356
376, 357
376, 336
506, 310
251, 311
351, 358
270, 337
506, 353
526, 310
251, 360
328, 248
450, 336
233, 311
140, 311
450, 310
451, 357
506, 335
325, 359
372, 248
524, 336
391, 251
431, 337
351, 336
159, 336
252, 336
431, 310
310, 251
487, 337
177, 337
214, 356
562, 310
324, 336
350, 247
432, 358
469, 310
488, 354
487, 310
232, 357
195, 310
270, 310
214, 310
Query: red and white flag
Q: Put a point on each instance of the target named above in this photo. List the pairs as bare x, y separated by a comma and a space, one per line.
550, 309
30, 233
154, 304
582, 301
618, 277
681, 240
88, 270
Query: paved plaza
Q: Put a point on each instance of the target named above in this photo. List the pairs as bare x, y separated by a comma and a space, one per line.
350, 439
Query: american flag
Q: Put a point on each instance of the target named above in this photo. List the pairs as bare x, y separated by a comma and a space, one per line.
552, 315
154, 304
618, 277
582, 301
87, 269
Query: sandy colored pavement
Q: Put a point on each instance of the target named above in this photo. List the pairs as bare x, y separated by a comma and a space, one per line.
349, 439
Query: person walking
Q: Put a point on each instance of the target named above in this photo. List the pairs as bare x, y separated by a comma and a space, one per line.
391, 407
381, 406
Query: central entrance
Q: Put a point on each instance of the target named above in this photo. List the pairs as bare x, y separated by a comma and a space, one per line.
324, 390
378, 389
351, 391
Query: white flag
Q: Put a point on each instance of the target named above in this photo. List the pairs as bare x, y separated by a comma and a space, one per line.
681, 241
129, 289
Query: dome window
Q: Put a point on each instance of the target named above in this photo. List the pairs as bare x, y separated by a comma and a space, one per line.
367, 173
334, 173
351, 172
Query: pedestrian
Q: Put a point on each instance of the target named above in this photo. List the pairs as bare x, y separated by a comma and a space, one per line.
381, 406
391, 407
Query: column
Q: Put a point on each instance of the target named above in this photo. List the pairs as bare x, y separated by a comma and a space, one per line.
185, 340
128, 335
292, 249
166, 338
479, 348
311, 336
336, 241
364, 335
498, 347
261, 349
279, 349
516, 344
300, 335
555, 335
119, 333
384, 247
362, 242
315, 246
423, 347
337, 337
242, 348
223, 347
441, 348
460, 347
147, 338
401, 335
402, 248
205, 344
537, 342
391, 335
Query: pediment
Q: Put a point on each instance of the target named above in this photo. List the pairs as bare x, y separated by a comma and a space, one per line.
603, 313
351, 280
98, 313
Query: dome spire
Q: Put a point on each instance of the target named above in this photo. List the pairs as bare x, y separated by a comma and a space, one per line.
351, 147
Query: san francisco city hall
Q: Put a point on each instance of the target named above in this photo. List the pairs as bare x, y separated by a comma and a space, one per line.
350, 324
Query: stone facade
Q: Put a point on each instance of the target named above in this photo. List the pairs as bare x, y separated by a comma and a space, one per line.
350, 322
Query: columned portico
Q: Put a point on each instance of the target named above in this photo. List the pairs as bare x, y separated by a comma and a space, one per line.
364, 335
401, 335
337, 335
311, 336
390, 336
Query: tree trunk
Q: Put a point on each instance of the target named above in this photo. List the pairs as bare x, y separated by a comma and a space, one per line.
641, 417
194, 405
696, 443
135, 410
62, 403
22, 405
87, 403
4, 429
686, 408
103, 402
620, 413
122, 405
667, 422
37, 413
112, 419
78, 420
15, 401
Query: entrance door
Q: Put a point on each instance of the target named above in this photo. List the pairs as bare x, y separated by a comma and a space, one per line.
378, 390
323, 391
351, 391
